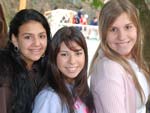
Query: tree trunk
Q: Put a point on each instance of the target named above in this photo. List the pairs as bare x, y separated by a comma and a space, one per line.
145, 17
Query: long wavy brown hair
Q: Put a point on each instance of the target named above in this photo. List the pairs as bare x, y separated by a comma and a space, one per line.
109, 13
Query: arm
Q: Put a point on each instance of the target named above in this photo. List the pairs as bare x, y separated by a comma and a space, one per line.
4, 99
47, 101
6, 75
108, 87
110, 97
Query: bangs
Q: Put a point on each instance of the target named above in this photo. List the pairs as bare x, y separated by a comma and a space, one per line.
71, 46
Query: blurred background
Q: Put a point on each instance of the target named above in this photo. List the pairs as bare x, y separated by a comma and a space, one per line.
66, 12
82, 14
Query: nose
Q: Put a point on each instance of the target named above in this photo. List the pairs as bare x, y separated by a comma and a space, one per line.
36, 41
71, 59
122, 35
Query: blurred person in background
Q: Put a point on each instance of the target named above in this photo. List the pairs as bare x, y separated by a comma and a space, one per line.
3, 29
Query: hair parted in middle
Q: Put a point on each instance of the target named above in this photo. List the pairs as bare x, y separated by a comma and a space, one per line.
56, 80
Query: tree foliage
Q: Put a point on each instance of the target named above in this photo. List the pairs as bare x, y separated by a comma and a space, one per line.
142, 6
97, 3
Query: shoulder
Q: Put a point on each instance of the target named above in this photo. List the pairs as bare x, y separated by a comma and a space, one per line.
6, 66
47, 101
107, 71
4, 53
5, 57
108, 62
46, 94
108, 68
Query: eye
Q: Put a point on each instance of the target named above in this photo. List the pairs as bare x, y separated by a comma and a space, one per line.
113, 29
43, 36
78, 53
128, 27
27, 37
63, 54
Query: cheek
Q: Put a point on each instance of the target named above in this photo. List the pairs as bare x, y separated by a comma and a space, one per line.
82, 61
44, 44
110, 40
134, 36
59, 62
23, 46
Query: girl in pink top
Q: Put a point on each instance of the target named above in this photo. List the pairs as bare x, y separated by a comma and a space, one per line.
119, 76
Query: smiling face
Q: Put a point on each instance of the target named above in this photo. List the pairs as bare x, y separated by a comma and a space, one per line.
31, 42
122, 35
70, 62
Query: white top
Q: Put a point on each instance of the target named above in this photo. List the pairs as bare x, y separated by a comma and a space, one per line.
48, 101
140, 107
113, 87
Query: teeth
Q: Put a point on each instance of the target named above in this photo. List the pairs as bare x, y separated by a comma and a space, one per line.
123, 43
71, 69
36, 51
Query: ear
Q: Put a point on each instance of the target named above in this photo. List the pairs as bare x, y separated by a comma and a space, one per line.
14, 41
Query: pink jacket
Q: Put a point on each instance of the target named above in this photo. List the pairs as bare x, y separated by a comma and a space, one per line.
112, 87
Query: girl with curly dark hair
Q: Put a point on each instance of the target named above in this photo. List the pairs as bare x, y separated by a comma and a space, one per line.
22, 62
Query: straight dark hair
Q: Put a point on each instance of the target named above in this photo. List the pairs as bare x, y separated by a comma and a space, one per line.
56, 79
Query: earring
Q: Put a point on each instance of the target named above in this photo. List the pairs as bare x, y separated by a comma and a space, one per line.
16, 49
43, 55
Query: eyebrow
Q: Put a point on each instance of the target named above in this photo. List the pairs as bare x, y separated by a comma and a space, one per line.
26, 33
32, 33
130, 23
76, 50
42, 32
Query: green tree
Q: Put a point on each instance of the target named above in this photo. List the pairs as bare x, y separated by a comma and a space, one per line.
144, 10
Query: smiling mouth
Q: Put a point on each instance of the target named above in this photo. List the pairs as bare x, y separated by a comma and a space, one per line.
121, 43
124, 42
37, 51
71, 69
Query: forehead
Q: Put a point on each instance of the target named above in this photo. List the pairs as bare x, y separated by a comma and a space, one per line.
72, 45
31, 27
122, 19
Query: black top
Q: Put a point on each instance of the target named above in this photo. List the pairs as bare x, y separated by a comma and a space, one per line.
8, 82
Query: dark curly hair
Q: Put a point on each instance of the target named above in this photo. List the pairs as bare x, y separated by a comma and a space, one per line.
22, 92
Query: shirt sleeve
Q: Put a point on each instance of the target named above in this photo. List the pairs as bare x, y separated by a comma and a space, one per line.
4, 99
108, 89
47, 101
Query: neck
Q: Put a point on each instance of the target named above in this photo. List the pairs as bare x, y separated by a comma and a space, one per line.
29, 66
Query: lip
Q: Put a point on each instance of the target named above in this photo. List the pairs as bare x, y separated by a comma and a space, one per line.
71, 69
36, 51
124, 42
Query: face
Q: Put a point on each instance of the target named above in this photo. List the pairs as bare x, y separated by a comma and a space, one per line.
31, 41
122, 35
70, 62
